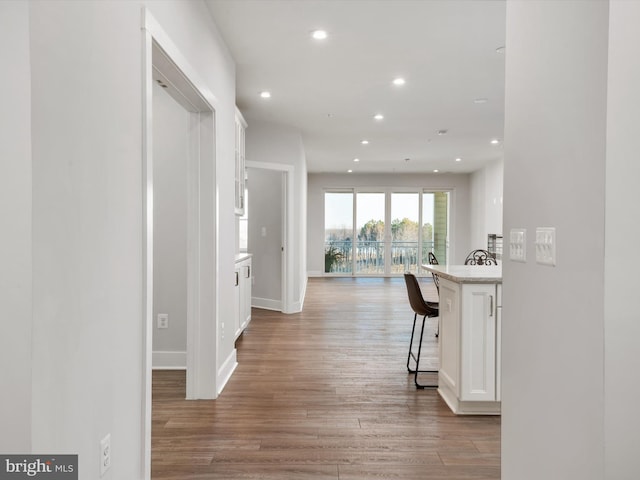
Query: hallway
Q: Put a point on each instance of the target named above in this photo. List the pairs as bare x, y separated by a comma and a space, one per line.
323, 394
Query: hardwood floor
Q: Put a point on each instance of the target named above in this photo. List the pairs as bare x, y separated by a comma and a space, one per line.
323, 394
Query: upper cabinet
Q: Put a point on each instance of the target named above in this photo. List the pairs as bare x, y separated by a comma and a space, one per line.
241, 125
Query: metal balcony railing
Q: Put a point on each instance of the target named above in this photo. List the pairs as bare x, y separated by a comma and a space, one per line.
370, 256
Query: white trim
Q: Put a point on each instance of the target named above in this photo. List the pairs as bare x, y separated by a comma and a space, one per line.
266, 304
314, 273
226, 370
166, 360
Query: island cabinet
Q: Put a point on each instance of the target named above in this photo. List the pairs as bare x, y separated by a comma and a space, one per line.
242, 294
470, 324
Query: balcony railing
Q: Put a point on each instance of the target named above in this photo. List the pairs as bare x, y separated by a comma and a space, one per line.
370, 256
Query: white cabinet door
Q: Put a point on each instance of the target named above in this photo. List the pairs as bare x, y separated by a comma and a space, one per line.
242, 296
245, 294
449, 335
237, 304
478, 343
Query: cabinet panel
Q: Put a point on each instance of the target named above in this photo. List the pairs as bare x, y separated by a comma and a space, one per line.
478, 343
449, 335
242, 294
241, 125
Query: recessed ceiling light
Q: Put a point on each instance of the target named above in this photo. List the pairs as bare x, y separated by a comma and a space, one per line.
265, 94
442, 132
436, 171
378, 116
356, 159
349, 171
500, 49
495, 141
399, 81
319, 34
458, 159
365, 142
481, 100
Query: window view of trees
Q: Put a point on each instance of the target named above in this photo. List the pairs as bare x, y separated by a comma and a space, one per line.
366, 250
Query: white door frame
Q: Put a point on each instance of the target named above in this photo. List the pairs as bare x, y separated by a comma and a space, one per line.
163, 61
287, 234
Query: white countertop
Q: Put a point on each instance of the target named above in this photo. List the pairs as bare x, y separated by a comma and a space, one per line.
467, 273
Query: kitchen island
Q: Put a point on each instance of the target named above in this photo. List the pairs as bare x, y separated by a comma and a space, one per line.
470, 326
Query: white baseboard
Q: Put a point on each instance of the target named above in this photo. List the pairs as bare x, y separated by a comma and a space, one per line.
167, 360
266, 304
314, 273
226, 370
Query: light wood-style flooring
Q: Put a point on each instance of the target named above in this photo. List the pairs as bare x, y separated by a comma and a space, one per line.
323, 394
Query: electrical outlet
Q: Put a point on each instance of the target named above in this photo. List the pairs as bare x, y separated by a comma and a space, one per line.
163, 320
518, 245
105, 454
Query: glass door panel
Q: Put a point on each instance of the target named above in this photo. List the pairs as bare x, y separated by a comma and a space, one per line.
338, 232
370, 212
405, 221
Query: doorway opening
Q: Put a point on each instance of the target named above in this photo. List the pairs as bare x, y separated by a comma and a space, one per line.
166, 67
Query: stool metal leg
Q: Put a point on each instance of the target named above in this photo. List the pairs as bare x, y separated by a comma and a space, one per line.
417, 358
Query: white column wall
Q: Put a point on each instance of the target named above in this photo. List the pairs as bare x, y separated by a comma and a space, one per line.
486, 203
554, 170
622, 325
16, 237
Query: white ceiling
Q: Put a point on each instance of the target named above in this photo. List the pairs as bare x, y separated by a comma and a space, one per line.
330, 90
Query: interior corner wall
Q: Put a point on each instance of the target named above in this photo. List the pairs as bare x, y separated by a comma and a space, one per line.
170, 154
15, 218
554, 176
622, 328
459, 244
486, 203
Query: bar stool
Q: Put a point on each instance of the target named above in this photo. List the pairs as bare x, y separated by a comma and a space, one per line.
427, 310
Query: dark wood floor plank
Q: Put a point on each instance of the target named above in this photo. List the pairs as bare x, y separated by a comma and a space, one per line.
323, 395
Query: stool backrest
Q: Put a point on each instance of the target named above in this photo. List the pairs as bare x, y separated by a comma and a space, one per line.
416, 300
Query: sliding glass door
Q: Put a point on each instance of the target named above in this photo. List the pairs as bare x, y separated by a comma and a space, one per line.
384, 232
405, 226
370, 233
338, 232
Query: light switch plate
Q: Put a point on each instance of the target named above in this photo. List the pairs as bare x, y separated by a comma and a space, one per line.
163, 320
518, 244
546, 246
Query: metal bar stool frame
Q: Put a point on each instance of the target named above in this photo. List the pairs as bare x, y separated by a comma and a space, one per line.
426, 310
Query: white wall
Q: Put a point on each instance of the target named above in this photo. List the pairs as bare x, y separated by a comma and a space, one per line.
554, 171
170, 152
486, 203
459, 214
273, 143
265, 236
15, 218
622, 328
87, 337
